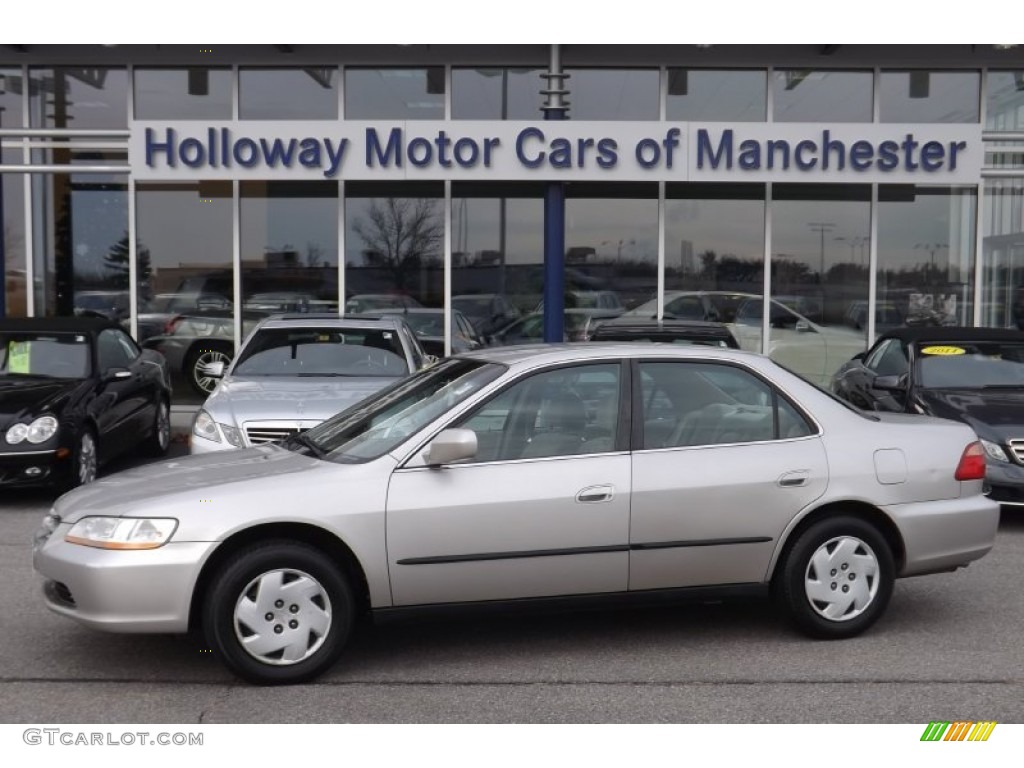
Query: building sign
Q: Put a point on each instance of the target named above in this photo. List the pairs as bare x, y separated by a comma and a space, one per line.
564, 150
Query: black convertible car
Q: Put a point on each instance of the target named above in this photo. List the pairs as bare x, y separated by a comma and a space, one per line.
973, 375
74, 393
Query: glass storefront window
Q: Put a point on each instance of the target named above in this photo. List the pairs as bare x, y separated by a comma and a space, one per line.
1004, 110
10, 98
817, 96
496, 94
1003, 248
196, 93
79, 98
12, 198
922, 96
714, 243
394, 94
288, 94
820, 275
81, 244
185, 276
498, 257
926, 253
712, 95
289, 247
394, 246
613, 94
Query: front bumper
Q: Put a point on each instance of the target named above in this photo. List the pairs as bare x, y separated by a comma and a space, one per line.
33, 468
147, 591
1004, 483
945, 535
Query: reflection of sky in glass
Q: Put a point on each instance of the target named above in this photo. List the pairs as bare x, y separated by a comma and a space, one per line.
205, 240
94, 98
1005, 108
163, 94
613, 94
726, 227
716, 95
476, 94
618, 230
803, 95
476, 228
939, 226
99, 220
10, 102
308, 225
386, 94
797, 230
288, 94
952, 98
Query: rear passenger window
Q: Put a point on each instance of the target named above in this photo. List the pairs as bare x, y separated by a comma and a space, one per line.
689, 404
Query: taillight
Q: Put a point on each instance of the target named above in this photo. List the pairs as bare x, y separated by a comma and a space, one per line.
972, 463
172, 324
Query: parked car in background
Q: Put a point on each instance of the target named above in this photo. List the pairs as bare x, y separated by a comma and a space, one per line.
112, 305
371, 302
530, 329
428, 325
294, 371
489, 312
667, 331
191, 342
155, 314
75, 393
973, 375
508, 475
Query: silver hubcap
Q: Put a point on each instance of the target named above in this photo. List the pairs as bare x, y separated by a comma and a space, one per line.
163, 426
86, 459
203, 381
282, 617
842, 578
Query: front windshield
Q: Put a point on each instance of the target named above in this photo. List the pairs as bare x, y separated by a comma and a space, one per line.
374, 427
57, 355
425, 323
332, 351
971, 365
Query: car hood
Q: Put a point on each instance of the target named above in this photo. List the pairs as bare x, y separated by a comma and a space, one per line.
26, 397
994, 414
185, 481
239, 399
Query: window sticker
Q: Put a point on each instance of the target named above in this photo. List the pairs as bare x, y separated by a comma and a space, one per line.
943, 350
18, 356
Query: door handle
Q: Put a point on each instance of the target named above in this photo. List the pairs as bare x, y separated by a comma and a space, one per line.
794, 479
595, 494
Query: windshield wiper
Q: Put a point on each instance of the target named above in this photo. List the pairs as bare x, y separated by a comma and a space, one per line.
301, 439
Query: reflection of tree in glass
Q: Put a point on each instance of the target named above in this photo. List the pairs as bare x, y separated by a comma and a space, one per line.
116, 260
401, 234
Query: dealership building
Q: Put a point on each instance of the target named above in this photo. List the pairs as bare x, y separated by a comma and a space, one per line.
883, 185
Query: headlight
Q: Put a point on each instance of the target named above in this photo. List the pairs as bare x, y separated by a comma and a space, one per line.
204, 426
233, 435
122, 532
39, 431
994, 451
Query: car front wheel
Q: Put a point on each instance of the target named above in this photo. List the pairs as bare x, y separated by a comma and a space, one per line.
837, 578
278, 613
195, 367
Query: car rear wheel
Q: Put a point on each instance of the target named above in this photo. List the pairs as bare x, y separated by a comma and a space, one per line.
837, 578
195, 367
278, 613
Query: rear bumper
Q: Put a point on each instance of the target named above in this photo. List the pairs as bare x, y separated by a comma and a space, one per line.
1004, 483
945, 535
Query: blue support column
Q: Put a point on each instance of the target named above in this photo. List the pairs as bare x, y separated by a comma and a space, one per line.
3, 256
554, 262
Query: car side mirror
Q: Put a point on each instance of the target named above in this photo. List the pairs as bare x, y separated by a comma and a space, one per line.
214, 370
116, 374
451, 445
891, 383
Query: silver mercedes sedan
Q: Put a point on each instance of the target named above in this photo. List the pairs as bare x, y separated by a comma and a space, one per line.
566, 472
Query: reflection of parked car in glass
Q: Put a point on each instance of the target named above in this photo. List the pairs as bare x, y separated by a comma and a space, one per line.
505, 475
814, 351
489, 312
428, 325
887, 316
284, 301
711, 306
156, 313
666, 331
606, 300
191, 342
294, 371
112, 305
369, 302
530, 329
75, 393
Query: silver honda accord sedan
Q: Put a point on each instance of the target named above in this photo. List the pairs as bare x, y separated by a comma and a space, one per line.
566, 472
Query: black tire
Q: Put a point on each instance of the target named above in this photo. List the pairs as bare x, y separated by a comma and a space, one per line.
798, 579
159, 439
270, 568
199, 356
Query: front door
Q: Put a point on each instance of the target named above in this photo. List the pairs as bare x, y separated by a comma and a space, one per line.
543, 508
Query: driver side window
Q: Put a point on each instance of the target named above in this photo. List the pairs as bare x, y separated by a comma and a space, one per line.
889, 360
110, 351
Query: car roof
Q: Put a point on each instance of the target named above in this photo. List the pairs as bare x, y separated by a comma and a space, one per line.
325, 319
913, 335
90, 325
669, 328
582, 351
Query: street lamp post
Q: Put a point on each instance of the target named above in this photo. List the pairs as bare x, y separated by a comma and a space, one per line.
821, 227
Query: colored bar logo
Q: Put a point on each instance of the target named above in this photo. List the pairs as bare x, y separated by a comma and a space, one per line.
958, 731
